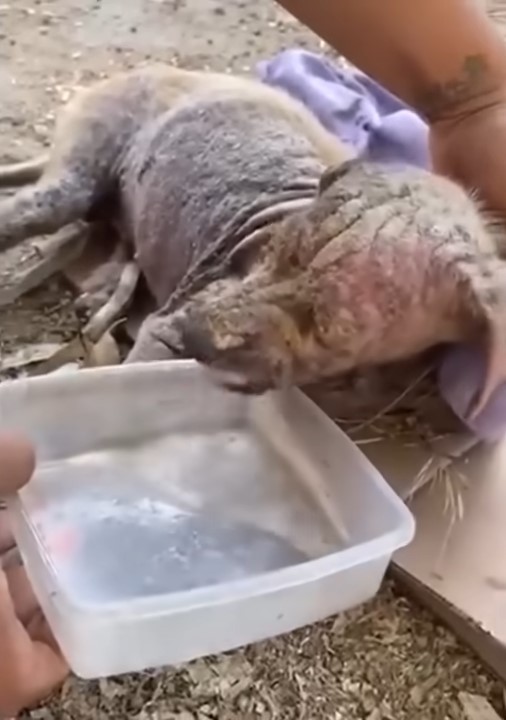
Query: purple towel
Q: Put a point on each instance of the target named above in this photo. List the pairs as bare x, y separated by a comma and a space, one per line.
381, 127
352, 106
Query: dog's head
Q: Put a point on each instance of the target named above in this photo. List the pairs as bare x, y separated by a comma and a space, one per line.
251, 336
296, 304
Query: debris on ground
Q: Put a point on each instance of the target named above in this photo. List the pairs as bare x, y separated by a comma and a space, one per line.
387, 660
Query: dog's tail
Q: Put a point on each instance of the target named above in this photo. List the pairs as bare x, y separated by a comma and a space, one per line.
23, 173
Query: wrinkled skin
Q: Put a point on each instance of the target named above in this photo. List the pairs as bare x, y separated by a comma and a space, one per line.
384, 264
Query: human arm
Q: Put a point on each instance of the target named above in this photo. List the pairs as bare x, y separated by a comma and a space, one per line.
447, 60
440, 57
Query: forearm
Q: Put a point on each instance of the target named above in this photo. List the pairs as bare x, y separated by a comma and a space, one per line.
440, 56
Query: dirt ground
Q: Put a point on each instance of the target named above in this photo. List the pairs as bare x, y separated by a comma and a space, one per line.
388, 660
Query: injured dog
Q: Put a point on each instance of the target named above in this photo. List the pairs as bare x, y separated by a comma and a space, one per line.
272, 255
382, 265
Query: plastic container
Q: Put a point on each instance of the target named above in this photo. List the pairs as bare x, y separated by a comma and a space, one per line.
162, 525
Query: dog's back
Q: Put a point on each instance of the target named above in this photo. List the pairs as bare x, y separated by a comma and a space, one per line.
207, 173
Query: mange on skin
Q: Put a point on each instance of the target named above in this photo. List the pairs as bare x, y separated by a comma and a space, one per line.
272, 256
385, 263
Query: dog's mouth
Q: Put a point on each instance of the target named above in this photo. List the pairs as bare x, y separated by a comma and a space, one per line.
220, 373
238, 383
250, 373
241, 368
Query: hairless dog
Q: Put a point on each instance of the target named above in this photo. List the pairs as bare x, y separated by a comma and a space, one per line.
274, 256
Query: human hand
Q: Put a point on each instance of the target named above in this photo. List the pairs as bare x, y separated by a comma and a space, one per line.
472, 150
31, 665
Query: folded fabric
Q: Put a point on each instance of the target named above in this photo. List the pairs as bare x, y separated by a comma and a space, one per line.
351, 105
380, 127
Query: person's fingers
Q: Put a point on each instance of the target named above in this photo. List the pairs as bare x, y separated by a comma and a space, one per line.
44, 672
41, 672
17, 462
6, 536
12, 633
30, 669
22, 596
31, 665
15, 637
39, 631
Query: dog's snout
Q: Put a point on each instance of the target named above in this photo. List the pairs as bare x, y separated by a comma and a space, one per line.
197, 342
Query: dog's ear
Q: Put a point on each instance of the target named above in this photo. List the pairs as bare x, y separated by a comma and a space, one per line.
335, 172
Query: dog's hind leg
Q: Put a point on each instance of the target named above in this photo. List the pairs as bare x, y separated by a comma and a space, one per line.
90, 136
44, 208
110, 311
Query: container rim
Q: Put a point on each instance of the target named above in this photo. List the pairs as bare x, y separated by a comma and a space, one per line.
237, 590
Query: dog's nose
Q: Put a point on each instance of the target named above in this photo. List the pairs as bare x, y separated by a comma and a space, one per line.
197, 342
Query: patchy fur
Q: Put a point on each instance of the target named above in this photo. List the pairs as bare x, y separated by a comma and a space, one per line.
384, 264
272, 256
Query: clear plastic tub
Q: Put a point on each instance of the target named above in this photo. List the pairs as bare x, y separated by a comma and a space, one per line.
163, 524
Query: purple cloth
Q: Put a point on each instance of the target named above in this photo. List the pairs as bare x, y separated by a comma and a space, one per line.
461, 373
352, 106
381, 127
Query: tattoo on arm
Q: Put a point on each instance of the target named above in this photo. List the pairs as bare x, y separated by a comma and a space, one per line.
445, 100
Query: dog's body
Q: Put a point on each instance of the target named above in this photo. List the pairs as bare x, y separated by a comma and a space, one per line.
192, 181
383, 264
263, 263
178, 160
